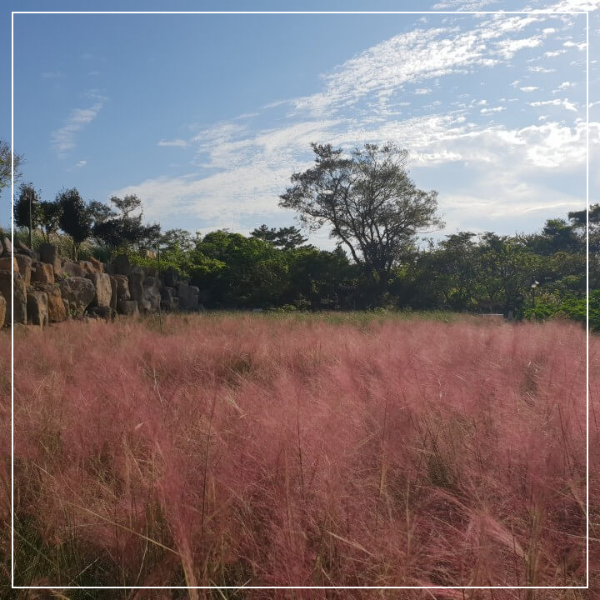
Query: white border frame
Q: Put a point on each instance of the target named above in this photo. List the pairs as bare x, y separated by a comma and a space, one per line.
587, 357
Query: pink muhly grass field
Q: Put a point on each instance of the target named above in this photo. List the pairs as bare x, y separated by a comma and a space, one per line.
258, 450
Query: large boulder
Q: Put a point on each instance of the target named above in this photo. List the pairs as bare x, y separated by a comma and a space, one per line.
2, 311
128, 307
136, 285
144, 307
57, 313
98, 265
122, 284
77, 294
25, 263
21, 248
103, 288
18, 301
188, 296
49, 254
7, 247
167, 298
42, 273
72, 269
121, 264
8, 262
152, 295
37, 307
88, 267
113, 297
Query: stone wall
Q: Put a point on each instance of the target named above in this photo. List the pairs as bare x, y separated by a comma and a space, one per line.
49, 288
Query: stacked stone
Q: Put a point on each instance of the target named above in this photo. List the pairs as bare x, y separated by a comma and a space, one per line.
49, 288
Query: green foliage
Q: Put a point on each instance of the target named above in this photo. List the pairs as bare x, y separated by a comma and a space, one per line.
27, 208
556, 306
75, 218
370, 203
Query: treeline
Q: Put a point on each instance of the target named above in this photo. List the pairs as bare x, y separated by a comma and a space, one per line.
534, 275
376, 215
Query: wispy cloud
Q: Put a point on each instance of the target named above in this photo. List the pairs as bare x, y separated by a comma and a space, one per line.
81, 163
496, 109
64, 139
363, 100
566, 104
177, 143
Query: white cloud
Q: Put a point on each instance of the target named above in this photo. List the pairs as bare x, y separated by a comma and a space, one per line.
422, 91
529, 88
565, 85
63, 139
570, 44
554, 53
566, 104
244, 171
178, 143
496, 109
81, 163
538, 69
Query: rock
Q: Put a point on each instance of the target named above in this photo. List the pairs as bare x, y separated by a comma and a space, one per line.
101, 312
88, 267
108, 268
152, 295
98, 265
103, 288
8, 249
25, 264
136, 285
122, 287
42, 273
72, 269
19, 300
21, 248
7, 261
128, 307
188, 296
167, 298
2, 311
1, 249
144, 306
113, 297
77, 293
37, 307
57, 313
121, 264
49, 254
171, 277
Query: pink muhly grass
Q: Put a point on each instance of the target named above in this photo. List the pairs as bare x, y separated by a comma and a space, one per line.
240, 450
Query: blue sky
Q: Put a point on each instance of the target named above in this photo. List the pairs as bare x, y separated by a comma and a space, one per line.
206, 117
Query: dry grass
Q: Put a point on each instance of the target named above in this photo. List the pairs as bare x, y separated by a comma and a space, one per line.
248, 450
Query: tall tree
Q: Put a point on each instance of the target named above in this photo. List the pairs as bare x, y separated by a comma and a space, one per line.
370, 202
49, 217
75, 218
121, 228
27, 209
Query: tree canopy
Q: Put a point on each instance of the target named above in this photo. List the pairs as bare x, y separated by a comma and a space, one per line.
369, 201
